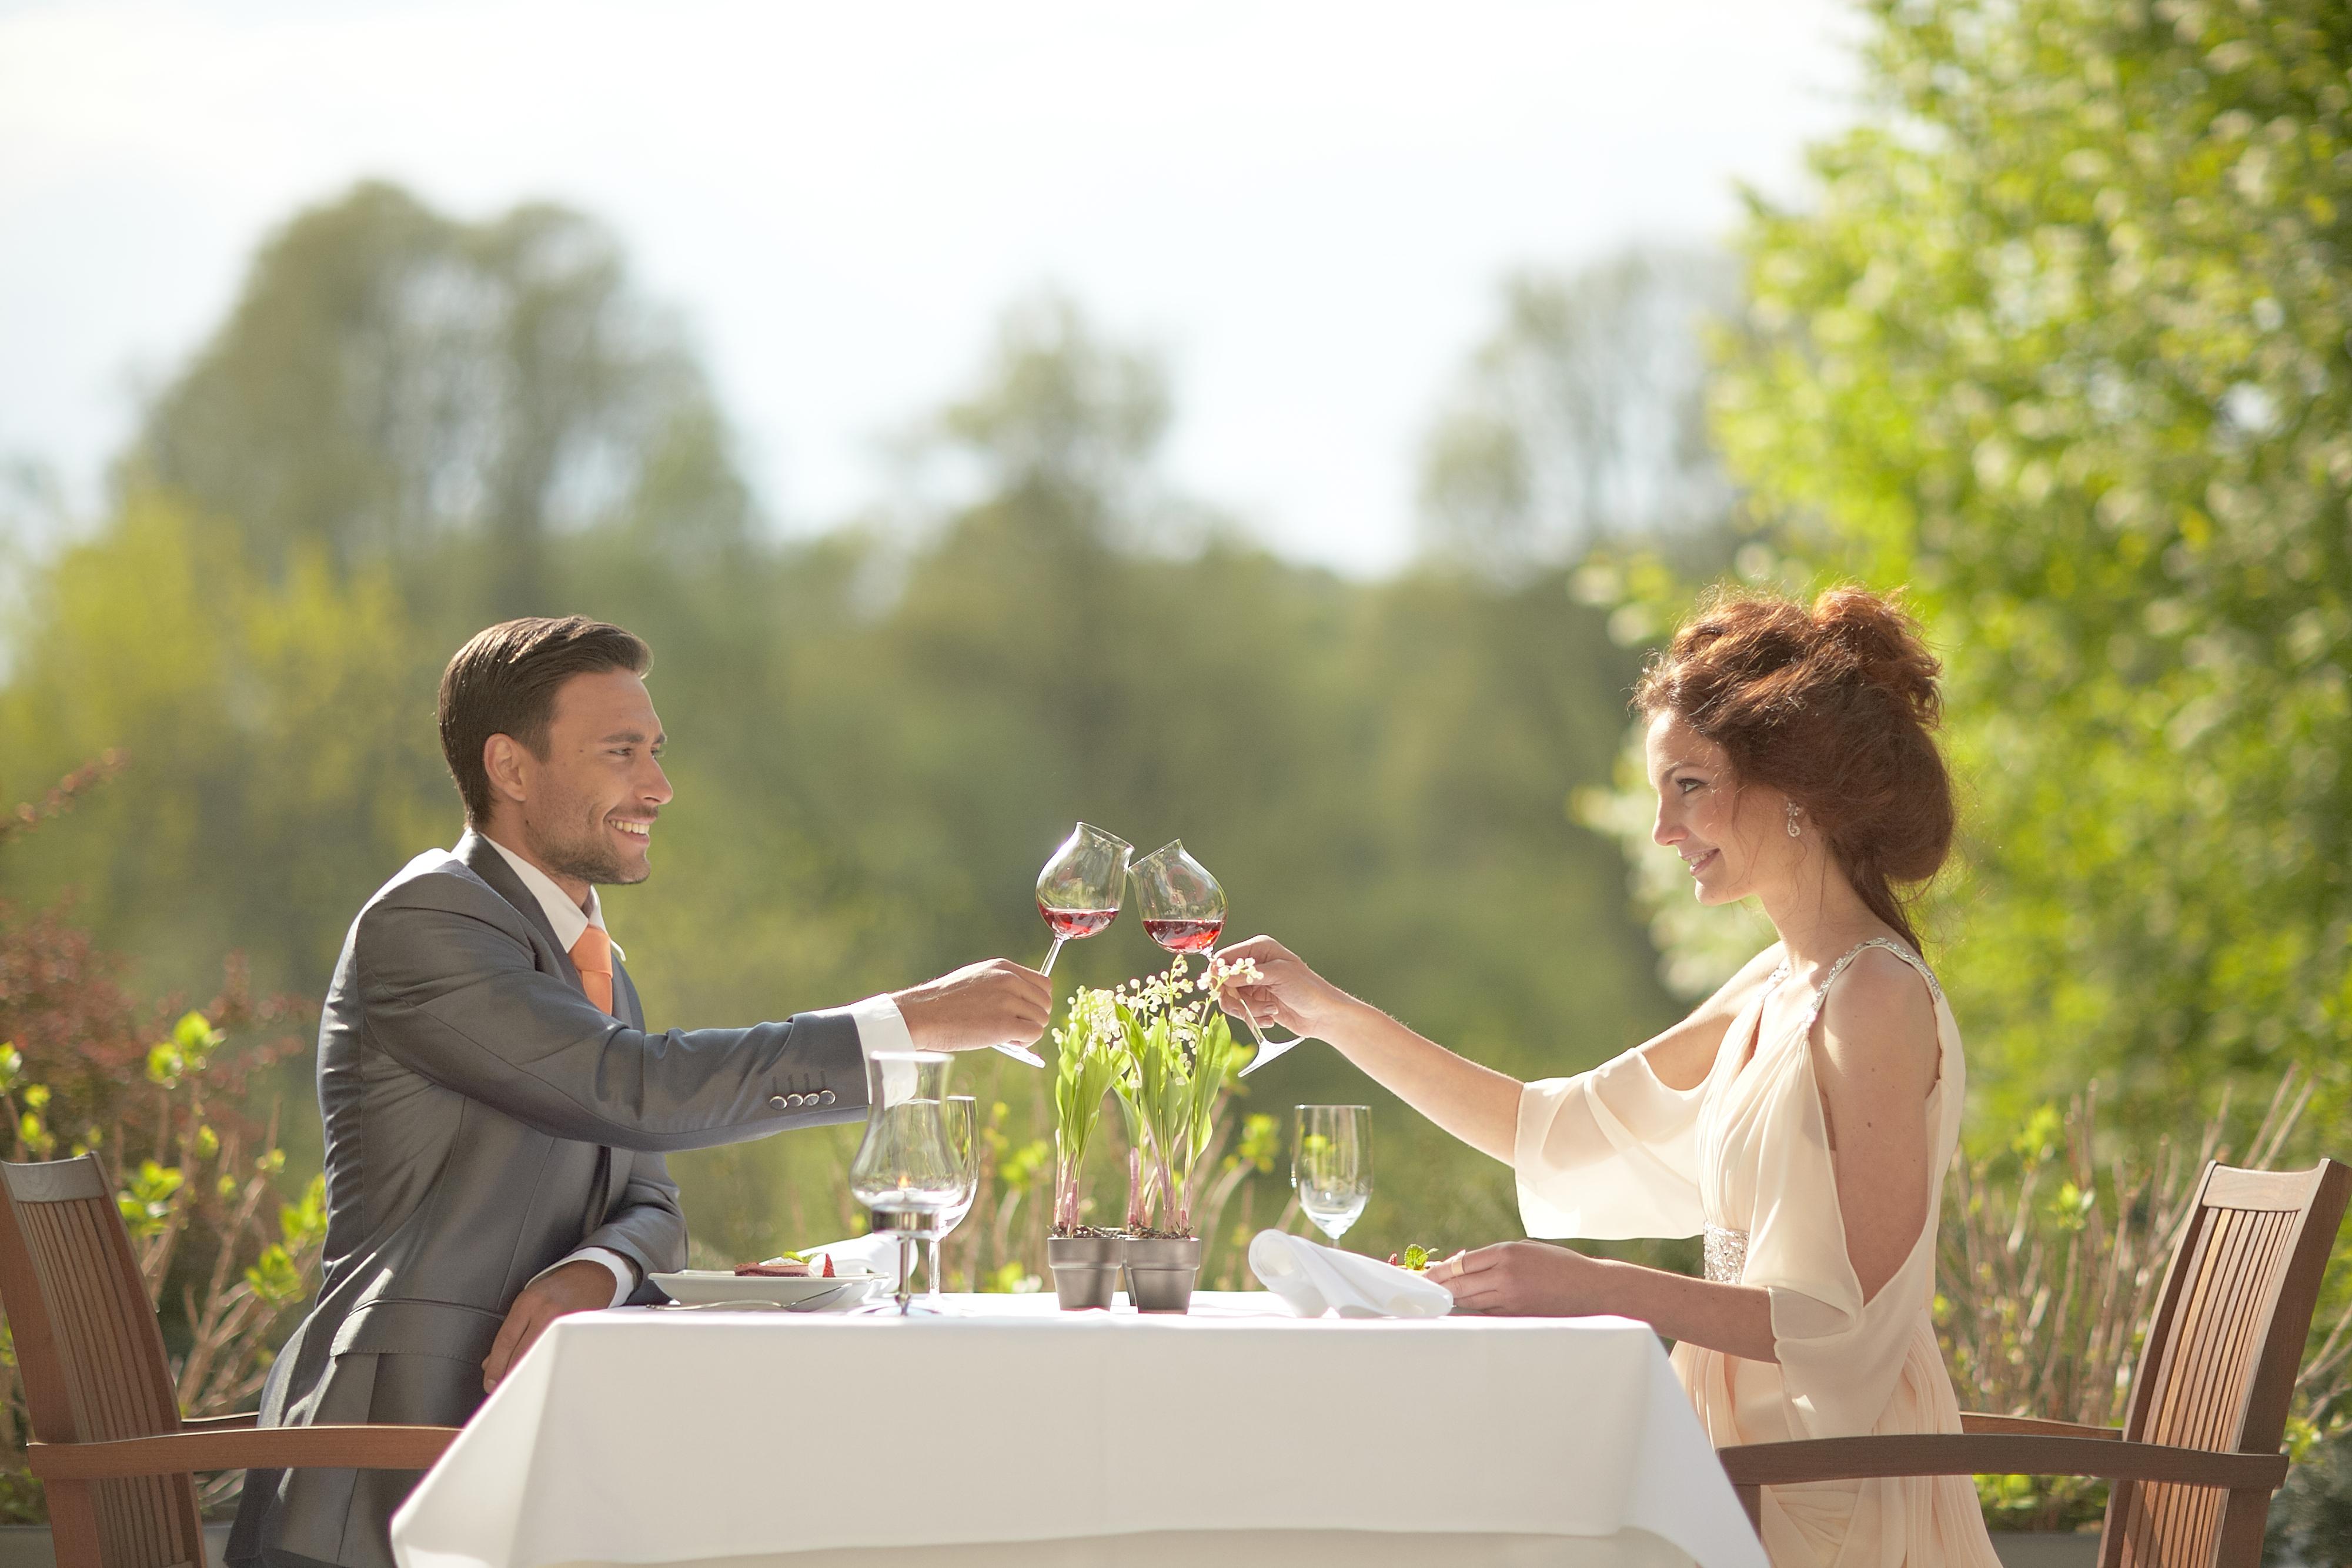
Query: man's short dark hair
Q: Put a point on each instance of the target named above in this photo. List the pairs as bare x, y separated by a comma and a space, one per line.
504, 681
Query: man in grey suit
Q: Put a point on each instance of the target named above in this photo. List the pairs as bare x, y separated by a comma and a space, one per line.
495, 1111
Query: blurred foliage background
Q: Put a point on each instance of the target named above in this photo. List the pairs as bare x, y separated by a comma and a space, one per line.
411, 427
2057, 342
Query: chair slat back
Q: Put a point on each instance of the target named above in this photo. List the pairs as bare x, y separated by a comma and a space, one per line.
2219, 1363
91, 1357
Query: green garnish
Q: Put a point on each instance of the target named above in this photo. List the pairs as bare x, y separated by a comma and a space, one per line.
1416, 1256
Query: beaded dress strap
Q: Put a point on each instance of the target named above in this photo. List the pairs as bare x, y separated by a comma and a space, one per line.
1822, 992
1725, 1254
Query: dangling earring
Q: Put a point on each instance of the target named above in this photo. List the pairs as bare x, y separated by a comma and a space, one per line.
1794, 831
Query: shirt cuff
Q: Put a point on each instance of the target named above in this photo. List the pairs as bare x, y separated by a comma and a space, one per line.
881, 1027
625, 1273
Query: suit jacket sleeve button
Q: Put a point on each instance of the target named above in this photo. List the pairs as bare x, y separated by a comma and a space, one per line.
825, 1097
776, 1103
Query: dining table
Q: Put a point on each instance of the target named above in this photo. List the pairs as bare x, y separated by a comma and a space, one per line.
1002, 1431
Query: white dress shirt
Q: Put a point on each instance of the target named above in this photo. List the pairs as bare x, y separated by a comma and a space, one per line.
880, 1026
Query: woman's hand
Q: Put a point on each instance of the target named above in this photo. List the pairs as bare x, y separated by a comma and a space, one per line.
1287, 993
1523, 1278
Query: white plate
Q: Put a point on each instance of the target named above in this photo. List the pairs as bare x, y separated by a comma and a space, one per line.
715, 1287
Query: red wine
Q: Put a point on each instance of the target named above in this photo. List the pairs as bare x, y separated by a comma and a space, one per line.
1184, 935
1068, 922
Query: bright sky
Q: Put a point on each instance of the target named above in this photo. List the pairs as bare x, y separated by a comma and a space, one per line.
1304, 207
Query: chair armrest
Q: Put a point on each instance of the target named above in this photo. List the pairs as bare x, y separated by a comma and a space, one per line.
242, 1421
1977, 1421
385, 1447
1995, 1454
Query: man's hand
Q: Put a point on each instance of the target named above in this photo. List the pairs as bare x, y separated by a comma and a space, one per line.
583, 1286
996, 1002
1523, 1278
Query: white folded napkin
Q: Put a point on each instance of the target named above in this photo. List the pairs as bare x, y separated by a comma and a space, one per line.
867, 1254
1312, 1280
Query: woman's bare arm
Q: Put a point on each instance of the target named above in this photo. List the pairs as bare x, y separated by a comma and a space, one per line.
1475, 1104
1538, 1279
1734, 1319
1876, 1056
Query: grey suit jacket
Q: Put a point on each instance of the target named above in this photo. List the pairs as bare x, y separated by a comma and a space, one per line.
483, 1120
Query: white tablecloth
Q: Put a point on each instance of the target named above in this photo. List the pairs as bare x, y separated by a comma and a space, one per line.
1232, 1435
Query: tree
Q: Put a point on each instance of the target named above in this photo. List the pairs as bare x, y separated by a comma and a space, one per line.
875, 737
1582, 417
277, 736
392, 379
2060, 345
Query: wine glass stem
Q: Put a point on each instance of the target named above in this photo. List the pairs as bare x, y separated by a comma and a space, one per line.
906, 1272
931, 1272
1051, 954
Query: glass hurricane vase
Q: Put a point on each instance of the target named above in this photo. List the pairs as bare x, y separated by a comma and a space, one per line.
907, 1171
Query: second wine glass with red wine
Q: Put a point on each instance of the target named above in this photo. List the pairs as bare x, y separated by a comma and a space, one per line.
1183, 908
1184, 911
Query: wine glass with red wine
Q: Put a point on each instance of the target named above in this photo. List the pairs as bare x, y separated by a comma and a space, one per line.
1079, 890
1184, 911
1183, 906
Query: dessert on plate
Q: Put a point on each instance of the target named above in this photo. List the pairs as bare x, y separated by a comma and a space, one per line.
790, 1266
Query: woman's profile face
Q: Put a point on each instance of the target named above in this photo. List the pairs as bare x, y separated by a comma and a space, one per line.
1727, 834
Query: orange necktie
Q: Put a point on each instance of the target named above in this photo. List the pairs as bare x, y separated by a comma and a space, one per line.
593, 956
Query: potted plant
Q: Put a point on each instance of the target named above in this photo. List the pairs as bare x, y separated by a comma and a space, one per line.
1171, 1087
1084, 1258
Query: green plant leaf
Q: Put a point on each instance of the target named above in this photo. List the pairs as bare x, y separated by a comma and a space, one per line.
303, 1224
274, 1278
196, 1037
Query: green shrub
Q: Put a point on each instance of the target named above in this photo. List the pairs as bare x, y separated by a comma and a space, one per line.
2052, 1265
164, 1097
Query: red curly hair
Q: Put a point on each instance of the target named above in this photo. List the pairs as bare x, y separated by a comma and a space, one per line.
1836, 706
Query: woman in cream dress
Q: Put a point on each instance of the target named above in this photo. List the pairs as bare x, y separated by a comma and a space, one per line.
1800, 1120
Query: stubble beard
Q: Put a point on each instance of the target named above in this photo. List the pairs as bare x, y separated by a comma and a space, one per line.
587, 857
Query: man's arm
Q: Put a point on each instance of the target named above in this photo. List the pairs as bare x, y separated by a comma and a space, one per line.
458, 997
647, 1226
612, 1265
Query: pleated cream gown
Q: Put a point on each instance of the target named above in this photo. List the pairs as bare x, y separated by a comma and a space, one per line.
1744, 1160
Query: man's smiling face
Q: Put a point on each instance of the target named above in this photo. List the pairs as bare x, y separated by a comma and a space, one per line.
589, 804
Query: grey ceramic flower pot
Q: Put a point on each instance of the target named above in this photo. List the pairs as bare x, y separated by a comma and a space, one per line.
1161, 1270
1085, 1270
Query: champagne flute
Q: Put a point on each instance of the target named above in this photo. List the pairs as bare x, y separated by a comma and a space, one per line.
905, 1171
960, 1116
1331, 1163
1184, 911
1078, 891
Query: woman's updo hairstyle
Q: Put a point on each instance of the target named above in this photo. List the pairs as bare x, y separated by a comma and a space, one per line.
1836, 707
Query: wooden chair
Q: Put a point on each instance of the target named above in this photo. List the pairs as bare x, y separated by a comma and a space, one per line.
2197, 1458
111, 1447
